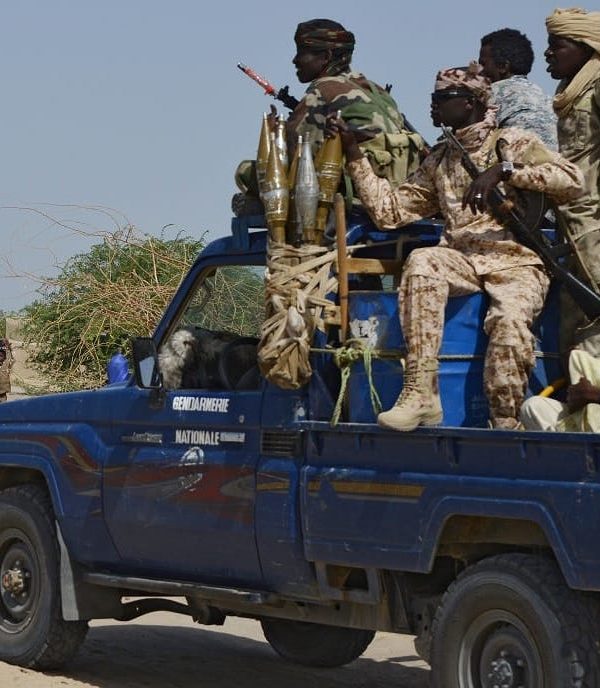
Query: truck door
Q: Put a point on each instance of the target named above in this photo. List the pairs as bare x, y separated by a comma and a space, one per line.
180, 484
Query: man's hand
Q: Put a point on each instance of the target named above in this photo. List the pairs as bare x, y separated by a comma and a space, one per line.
477, 194
581, 394
336, 125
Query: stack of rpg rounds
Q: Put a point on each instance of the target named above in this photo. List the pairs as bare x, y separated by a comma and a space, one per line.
297, 200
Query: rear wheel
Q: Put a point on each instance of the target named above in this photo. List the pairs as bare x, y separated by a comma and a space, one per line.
315, 645
511, 621
32, 630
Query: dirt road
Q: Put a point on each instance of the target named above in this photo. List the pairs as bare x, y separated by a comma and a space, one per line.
168, 651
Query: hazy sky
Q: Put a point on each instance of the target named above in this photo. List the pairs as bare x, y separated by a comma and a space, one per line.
133, 111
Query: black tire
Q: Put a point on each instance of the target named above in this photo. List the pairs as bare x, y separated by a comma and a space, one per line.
32, 630
315, 645
511, 620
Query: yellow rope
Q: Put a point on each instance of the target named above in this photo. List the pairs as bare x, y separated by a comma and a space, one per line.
344, 357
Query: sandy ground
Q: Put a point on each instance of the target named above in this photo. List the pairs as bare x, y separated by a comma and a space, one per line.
165, 650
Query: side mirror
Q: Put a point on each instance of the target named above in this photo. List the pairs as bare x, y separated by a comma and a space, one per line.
145, 363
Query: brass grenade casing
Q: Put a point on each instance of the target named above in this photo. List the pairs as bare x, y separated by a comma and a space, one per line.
330, 173
307, 193
262, 155
276, 194
292, 233
281, 142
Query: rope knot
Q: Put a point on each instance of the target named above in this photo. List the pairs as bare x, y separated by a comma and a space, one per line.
344, 357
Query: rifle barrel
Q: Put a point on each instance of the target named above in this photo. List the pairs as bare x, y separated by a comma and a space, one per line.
270, 90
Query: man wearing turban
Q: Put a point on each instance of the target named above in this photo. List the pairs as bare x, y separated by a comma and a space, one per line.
476, 252
573, 57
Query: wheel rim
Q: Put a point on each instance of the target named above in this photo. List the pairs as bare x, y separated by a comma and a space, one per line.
499, 651
19, 581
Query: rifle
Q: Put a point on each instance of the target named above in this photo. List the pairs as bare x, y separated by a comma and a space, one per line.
503, 210
281, 94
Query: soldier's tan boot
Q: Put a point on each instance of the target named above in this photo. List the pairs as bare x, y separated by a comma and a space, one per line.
419, 403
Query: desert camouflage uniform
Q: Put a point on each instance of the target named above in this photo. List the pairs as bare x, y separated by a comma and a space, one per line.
372, 114
523, 104
579, 142
475, 253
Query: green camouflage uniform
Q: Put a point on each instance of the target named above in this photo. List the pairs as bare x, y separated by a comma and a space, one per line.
367, 108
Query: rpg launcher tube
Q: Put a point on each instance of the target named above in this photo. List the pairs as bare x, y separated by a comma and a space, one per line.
276, 195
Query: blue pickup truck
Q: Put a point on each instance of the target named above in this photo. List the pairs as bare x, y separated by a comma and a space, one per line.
242, 498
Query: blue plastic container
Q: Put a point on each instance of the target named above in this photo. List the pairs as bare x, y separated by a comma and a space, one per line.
461, 391
374, 317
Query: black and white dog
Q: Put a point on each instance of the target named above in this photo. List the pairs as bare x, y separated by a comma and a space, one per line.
192, 359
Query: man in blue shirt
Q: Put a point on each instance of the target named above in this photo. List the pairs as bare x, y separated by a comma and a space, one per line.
506, 57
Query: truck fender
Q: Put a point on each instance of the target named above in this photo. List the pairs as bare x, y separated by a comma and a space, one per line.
450, 506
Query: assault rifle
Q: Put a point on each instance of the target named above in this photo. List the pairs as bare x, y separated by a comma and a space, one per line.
504, 210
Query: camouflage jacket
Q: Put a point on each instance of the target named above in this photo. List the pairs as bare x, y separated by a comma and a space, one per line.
579, 142
439, 184
369, 109
351, 93
523, 104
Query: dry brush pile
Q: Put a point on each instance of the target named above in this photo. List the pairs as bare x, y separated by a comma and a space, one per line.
99, 301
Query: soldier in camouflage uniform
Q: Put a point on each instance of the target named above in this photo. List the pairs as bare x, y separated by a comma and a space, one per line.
324, 52
506, 57
475, 253
573, 56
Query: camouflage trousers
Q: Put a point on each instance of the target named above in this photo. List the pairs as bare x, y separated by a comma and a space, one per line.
516, 296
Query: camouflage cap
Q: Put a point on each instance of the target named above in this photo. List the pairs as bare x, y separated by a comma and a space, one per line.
310, 34
470, 77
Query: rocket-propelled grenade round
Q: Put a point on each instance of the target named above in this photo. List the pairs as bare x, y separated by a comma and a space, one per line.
270, 90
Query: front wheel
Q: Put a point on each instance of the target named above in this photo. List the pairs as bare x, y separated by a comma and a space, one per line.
32, 630
511, 621
315, 645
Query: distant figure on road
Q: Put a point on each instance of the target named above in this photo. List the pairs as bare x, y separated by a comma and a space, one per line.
6, 363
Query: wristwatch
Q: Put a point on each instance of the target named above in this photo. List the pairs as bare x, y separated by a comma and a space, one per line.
508, 167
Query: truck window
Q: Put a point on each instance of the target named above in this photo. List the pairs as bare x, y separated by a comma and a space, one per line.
213, 343
231, 300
